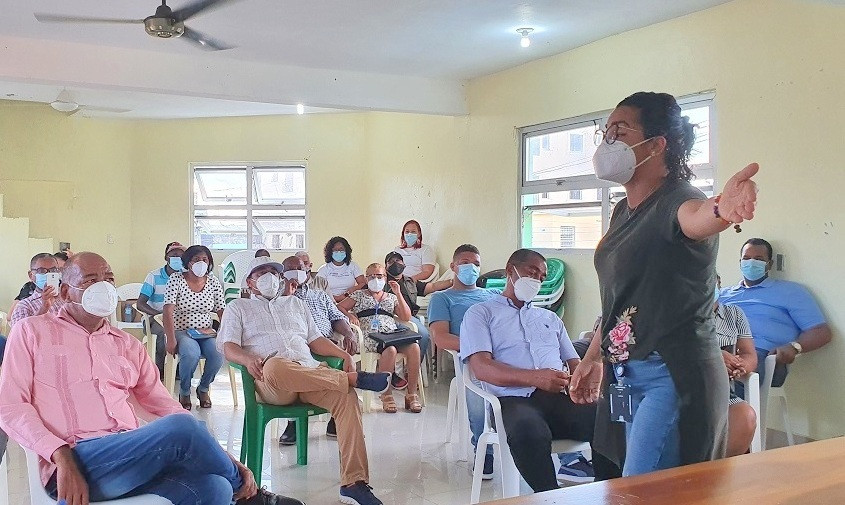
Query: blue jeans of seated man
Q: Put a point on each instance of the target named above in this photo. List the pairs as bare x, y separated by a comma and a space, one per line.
174, 457
476, 406
190, 351
653, 438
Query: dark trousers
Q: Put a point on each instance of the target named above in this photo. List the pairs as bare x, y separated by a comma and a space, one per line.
533, 422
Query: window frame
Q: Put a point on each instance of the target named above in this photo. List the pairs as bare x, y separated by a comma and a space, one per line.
582, 182
248, 207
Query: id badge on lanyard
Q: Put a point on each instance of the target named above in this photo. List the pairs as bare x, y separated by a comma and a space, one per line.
619, 397
374, 323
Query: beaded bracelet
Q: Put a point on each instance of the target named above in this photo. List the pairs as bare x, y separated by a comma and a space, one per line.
719, 216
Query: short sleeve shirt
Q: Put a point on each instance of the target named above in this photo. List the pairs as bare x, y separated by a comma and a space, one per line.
415, 258
323, 309
731, 325
340, 278
451, 305
529, 338
386, 308
778, 311
154, 288
193, 309
283, 325
410, 289
649, 270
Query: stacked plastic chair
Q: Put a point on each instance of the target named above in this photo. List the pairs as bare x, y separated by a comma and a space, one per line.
551, 291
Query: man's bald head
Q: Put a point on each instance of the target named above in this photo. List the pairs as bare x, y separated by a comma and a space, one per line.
86, 266
293, 263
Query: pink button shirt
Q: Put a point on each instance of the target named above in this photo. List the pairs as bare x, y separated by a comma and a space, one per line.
31, 306
60, 385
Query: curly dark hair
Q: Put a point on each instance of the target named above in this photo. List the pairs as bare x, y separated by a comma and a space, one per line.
327, 250
660, 116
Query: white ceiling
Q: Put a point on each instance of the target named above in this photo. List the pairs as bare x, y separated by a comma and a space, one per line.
398, 55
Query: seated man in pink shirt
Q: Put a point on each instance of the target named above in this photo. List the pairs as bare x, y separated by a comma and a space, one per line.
64, 394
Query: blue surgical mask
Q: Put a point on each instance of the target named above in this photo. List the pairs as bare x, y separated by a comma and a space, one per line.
468, 274
753, 270
175, 263
717, 294
40, 280
411, 239
339, 256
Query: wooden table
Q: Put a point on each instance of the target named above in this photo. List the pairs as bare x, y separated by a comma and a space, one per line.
807, 474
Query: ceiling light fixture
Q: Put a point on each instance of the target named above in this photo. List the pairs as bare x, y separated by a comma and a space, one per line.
300, 109
524, 41
63, 106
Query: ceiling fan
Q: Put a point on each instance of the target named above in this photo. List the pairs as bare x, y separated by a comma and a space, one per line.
165, 23
65, 104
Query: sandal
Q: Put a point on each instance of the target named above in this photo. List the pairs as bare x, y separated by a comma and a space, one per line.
388, 403
205, 399
412, 403
186, 402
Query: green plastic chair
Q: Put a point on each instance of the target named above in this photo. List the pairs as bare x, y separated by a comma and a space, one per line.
555, 271
258, 414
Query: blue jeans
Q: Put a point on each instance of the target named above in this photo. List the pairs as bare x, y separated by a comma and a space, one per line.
190, 351
174, 457
425, 336
476, 407
2, 347
653, 437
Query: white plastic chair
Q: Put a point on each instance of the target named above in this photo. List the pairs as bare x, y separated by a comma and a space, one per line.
4, 320
233, 269
766, 393
38, 495
499, 439
369, 363
456, 411
752, 396
4, 481
434, 274
125, 293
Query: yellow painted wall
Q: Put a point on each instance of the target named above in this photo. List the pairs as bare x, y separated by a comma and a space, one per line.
70, 177
333, 147
778, 81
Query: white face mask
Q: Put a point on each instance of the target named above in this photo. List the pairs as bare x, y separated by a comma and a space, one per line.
376, 285
296, 275
617, 162
98, 299
268, 285
525, 288
200, 268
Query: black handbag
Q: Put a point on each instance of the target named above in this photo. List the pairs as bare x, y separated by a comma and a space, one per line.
396, 338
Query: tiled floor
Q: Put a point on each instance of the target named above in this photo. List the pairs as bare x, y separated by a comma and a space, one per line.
409, 462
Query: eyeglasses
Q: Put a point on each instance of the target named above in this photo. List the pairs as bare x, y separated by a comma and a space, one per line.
43, 271
611, 133
375, 276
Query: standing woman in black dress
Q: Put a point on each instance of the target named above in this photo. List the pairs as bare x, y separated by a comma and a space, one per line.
656, 269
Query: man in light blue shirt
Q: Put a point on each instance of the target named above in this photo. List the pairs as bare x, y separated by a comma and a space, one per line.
446, 313
151, 299
519, 351
785, 319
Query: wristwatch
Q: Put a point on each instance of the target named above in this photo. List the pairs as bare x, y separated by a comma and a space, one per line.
797, 347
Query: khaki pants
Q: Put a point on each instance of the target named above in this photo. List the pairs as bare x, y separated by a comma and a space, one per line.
286, 382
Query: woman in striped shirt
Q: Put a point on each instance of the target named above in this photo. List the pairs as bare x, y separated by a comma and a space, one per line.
734, 337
